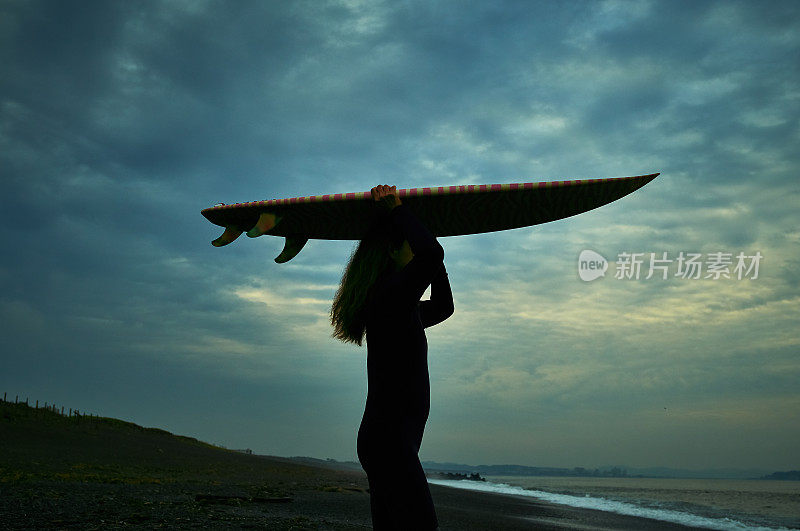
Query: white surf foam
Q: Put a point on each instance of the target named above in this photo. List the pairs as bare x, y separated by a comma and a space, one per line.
612, 506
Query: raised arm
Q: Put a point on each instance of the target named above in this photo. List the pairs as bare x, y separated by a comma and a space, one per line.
440, 306
417, 274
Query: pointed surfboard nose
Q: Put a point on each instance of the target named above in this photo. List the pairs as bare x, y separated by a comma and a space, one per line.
227, 237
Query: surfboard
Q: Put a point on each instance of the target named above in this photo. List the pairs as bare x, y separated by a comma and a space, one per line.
444, 210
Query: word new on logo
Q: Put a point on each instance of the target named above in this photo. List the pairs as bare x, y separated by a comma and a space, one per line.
591, 265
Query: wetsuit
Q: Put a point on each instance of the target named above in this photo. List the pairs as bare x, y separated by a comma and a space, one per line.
398, 397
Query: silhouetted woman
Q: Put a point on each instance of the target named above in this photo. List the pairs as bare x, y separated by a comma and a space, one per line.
380, 297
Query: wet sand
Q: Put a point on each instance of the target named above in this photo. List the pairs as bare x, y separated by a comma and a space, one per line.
287, 496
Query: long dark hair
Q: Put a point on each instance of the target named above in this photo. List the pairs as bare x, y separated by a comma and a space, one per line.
368, 263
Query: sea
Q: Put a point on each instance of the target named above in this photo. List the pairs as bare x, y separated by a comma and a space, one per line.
724, 504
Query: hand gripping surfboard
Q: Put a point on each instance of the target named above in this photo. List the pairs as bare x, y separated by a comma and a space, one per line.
445, 211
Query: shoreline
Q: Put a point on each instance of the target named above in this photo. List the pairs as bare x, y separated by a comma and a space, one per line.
299, 497
466, 509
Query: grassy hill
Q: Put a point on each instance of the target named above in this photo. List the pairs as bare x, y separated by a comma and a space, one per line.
60, 471
42, 444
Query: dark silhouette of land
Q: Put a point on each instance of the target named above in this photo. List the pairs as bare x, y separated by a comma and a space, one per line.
85, 472
790, 475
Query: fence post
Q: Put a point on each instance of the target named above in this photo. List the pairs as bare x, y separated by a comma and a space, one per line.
37, 404
4, 396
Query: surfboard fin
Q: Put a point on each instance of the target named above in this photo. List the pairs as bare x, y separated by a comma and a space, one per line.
227, 237
266, 222
292, 246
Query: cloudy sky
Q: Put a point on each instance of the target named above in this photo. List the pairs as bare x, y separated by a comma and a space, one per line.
120, 121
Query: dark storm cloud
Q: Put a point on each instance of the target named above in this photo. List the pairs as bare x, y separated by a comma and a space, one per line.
119, 121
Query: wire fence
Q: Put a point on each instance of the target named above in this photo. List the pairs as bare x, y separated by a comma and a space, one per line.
52, 407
